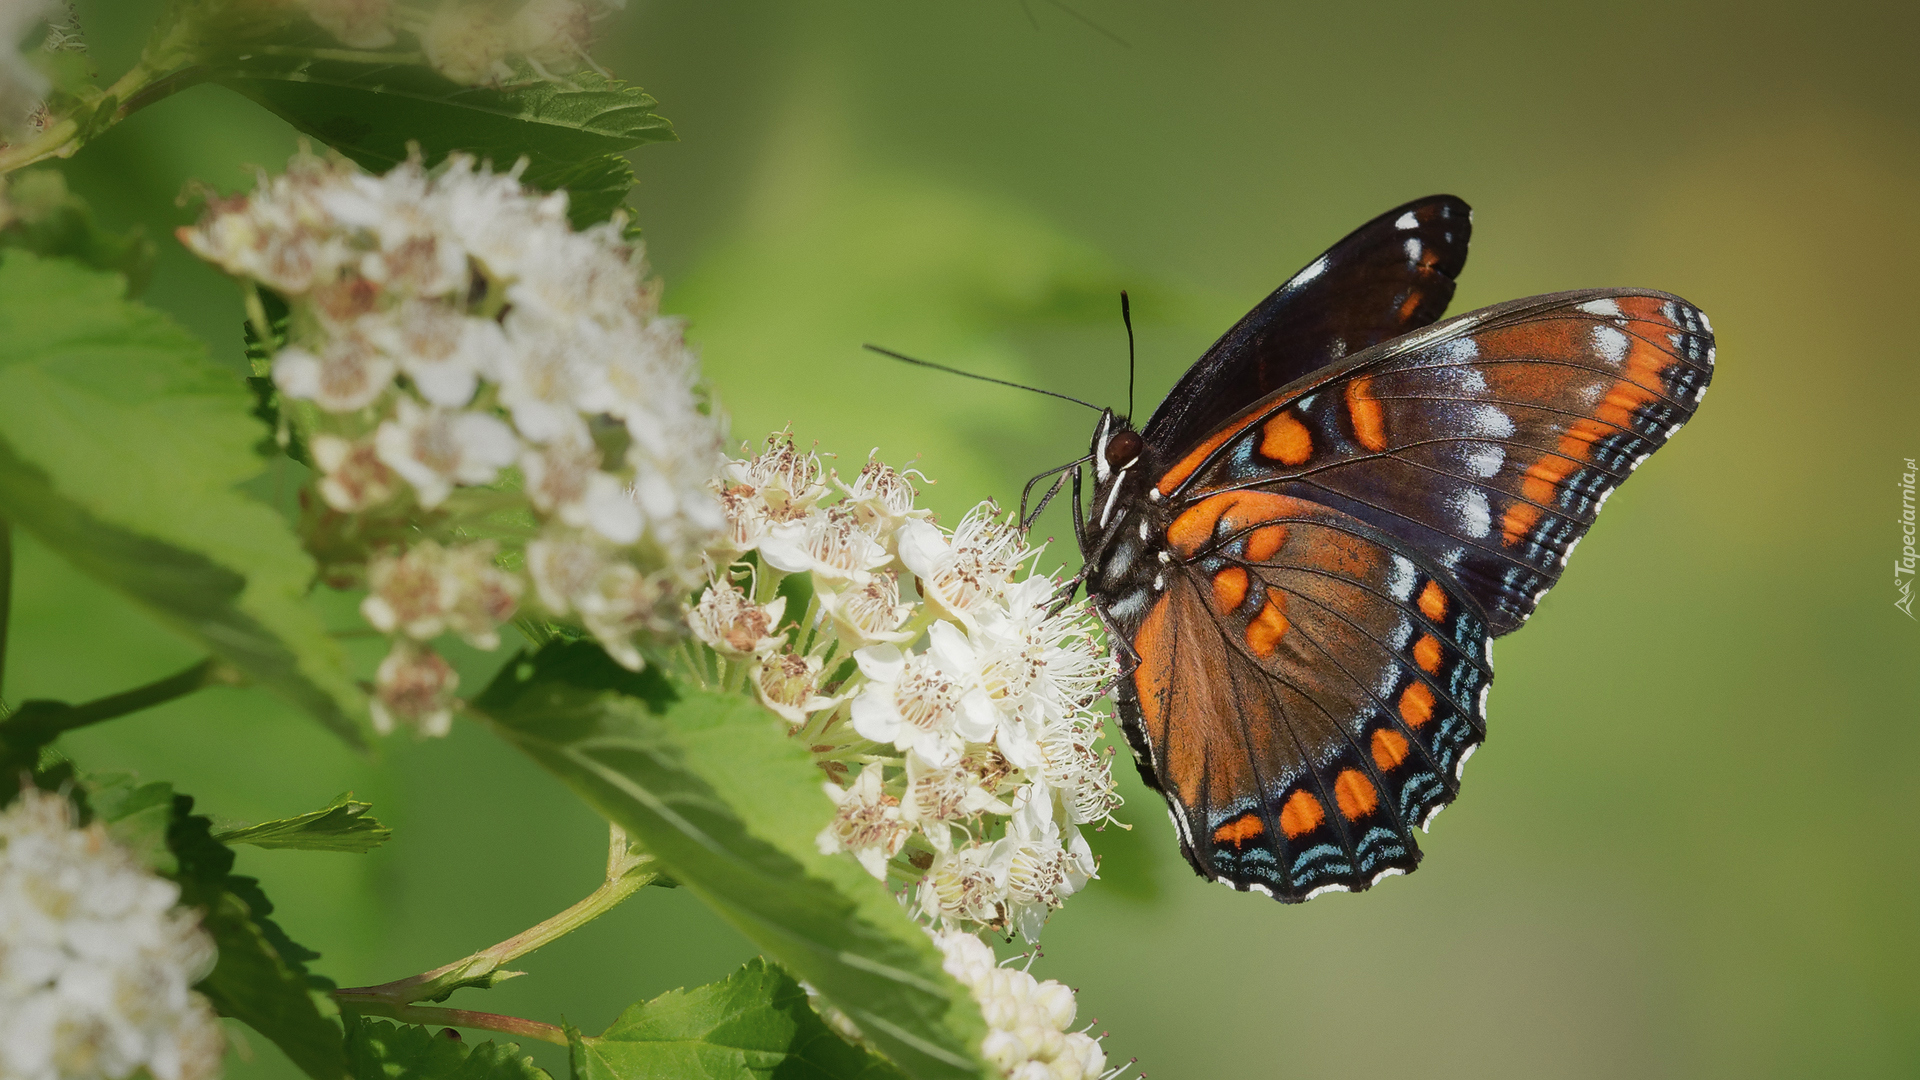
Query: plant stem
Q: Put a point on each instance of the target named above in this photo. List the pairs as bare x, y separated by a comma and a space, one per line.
627, 873
462, 1018
43, 721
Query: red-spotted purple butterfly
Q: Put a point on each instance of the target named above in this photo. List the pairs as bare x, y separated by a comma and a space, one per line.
1304, 554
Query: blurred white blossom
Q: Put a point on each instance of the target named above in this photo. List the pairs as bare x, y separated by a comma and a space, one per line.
22, 85
1029, 1022
450, 331
97, 961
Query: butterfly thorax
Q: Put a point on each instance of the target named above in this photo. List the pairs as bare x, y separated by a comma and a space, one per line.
1122, 542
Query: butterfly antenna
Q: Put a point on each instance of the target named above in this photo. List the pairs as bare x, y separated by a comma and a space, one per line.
982, 378
1094, 26
1126, 316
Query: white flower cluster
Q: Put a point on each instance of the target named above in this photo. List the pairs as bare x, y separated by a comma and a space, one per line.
450, 332
97, 964
1028, 1021
472, 41
967, 709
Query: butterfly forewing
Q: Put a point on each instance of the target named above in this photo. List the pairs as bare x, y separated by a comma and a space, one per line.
1305, 694
1390, 276
1488, 442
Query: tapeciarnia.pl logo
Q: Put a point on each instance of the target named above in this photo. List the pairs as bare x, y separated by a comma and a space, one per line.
1903, 566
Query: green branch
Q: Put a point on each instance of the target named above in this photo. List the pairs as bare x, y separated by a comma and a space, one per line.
431, 1016
40, 722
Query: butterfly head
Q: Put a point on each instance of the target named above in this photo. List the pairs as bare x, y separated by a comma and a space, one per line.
1118, 461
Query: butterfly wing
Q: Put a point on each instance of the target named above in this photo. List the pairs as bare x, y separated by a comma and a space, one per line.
1390, 276
1306, 694
1488, 442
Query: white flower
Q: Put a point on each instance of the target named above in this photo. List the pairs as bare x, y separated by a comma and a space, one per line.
733, 625
880, 497
866, 822
410, 594
346, 375
444, 352
924, 702
965, 884
484, 596
832, 545
353, 476
786, 683
939, 794
540, 380
1027, 1019
564, 479
1041, 871
869, 612
963, 575
467, 43
414, 686
435, 449
1076, 770
99, 963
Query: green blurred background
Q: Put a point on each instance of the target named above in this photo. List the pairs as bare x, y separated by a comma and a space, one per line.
1688, 848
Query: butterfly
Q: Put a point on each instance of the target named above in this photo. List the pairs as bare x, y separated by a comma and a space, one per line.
1303, 558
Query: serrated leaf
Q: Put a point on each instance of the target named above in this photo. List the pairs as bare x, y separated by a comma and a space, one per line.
378, 1050
712, 785
754, 1025
121, 443
341, 825
571, 132
261, 976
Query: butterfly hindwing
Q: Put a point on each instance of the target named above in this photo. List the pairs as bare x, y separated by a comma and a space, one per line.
1488, 442
1390, 276
1305, 696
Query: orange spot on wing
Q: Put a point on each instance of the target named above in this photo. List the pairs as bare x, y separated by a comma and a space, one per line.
1621, 402
1544, 476
1578, 442
1517, 522
1229, 588
1264, 541
1197, 526
1413, 301
1153, 679
1301, 815
1426, 653
1369, 420
1174, 477
1416, 704
1286, 440
1355, 794
1240, 830
1268, 627
1433, 602
1389, 749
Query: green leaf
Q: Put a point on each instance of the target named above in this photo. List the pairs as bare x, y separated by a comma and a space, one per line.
753, 1026
712, 785
261, 977
341, 825
378, 1050
121, 443
572, 132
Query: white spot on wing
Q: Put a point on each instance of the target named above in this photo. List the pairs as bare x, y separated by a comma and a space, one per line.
1480, 705
1568, 554
1254, 886
1484, 459
1327, 889
1391, 871
1601, 307
1704, 321
1489, 422
1431, 814
1611, 343
1476, 517
1413, 249
1400, 577
1406, 221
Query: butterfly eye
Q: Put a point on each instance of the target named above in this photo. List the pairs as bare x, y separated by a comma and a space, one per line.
1123, 448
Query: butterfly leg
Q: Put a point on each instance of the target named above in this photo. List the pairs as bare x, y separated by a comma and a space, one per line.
1026, 519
